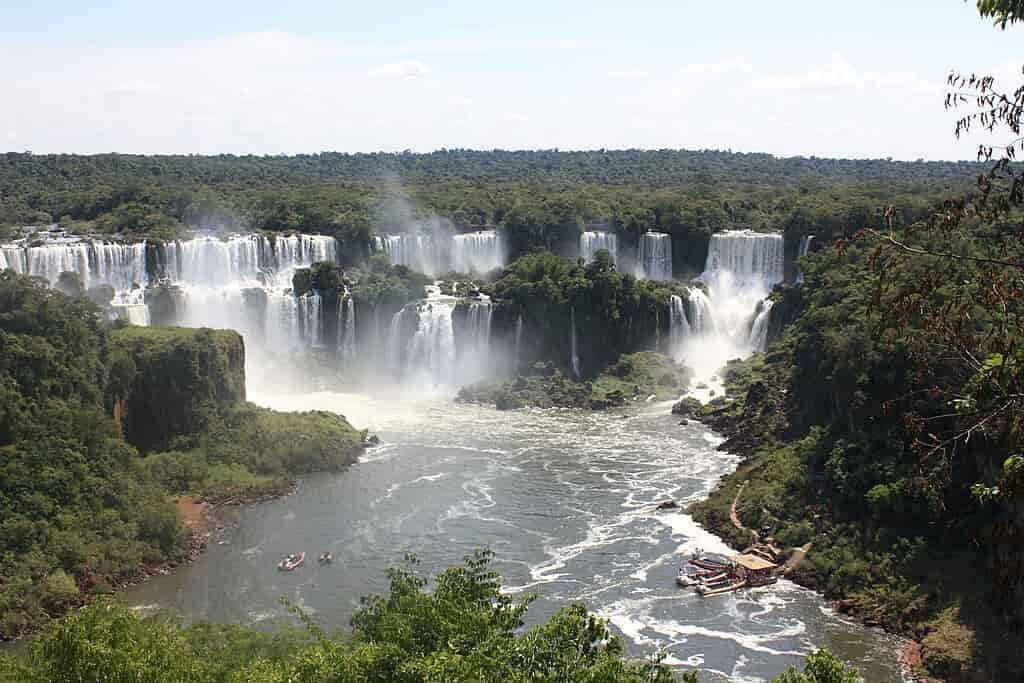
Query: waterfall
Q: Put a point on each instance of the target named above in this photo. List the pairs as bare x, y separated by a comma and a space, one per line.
805, 248
416, 251
731, 320
347, 328
479, 251
478, 322
574, 356
654, 261
212, 275
678, 326
759, 330
97, 263
748, 258
698, 312
593, 241
393, 351
310, 319
431, 351
519, 340
475, 341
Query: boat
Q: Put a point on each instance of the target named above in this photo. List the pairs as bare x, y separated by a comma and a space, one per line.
325, 558
291, 562
709, 560
706, 590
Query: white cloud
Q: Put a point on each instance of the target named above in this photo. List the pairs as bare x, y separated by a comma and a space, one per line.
240, 96
730, 65
136, 87
409, 68
837, 73
629, 74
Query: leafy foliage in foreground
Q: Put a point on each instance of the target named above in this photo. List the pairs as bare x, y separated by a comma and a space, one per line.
464, 629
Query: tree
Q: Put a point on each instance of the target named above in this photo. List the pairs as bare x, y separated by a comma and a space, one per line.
950, 294
1004, 11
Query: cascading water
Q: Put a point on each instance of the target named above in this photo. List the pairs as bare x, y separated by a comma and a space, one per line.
310, 319
805, 247
759, 330
698, 312
574, 356
480, 251
121, 266
475, 344
747, 258
347, 328
654, 258
417, 251
431, 351
213, 275
592, 242
678, 326
741, 268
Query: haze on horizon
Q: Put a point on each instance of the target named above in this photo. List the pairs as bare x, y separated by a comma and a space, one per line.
793, 79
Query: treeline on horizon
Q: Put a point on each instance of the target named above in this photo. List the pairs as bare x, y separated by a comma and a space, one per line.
540, 200
651, 168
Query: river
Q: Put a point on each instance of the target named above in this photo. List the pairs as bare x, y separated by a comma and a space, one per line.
565, 498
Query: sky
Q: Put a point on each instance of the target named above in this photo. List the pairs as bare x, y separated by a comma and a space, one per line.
827, 78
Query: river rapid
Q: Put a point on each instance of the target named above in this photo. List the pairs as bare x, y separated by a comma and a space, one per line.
566, 500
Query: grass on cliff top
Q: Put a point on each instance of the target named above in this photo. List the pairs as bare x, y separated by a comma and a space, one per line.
252, 452
170, 336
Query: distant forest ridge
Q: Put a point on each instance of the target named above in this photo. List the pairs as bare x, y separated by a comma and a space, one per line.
651, 168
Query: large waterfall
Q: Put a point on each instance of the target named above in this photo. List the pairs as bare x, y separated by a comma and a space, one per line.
242, 282
731, 320
746, 258
654, 256
479, 251
97, 263
434, 254
429, 355
418, 251
429, 345
592, 242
